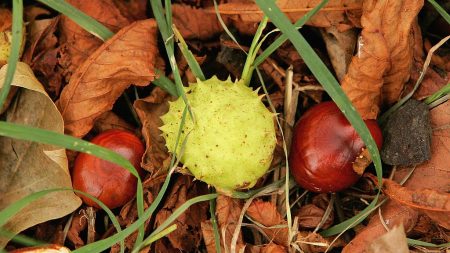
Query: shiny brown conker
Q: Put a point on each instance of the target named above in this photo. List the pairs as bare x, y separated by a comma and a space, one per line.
110, 183
324, 147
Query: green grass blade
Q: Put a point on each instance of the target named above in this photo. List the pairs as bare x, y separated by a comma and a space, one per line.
330, 84
427, 244
441, 10
280, 40
160, 235
224, 26
165, 83
212, 212
247, 72
192, 62
87, 22
16, 42
438, 94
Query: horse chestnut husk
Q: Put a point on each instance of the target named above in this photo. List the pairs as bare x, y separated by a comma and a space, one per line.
324, 147
110, 183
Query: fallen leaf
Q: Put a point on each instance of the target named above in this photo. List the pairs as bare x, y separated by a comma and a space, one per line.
384, 58
432, 174
269, 248
109, 120
132, 9
310, 242
150, 110
187, 236
228, 211
77, 44
78, 225
28, 167
266, 213
127, 58
310, 215
343, 14
340, 47
393, 241
194, 23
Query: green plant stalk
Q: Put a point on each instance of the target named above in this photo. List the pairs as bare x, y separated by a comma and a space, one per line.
212, 212
247, 72
192, 62
16, 42
224, 26
283, 38
440, 10
437, 95
332, 87
167, 35
85, 21
160, 235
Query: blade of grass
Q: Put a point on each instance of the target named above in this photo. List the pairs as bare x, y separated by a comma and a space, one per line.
165, 83
160, 235
441, 10
224, 26
427, 244
280, 40
438, 94
212, 212
332, 87
87, 22
192, 62
167, 35
14, 54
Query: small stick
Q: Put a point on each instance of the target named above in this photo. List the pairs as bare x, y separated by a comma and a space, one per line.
90, 215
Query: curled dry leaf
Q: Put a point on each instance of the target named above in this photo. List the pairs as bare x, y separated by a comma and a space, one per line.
125, 59
384, 58
310, 242
266, 213
150, 110
310, 215
228, 211
343, 14
110, 120
195, 23
393, 241
77, 44
432, 174
394, 214
187, 237
269, 248
78, 225
28, 167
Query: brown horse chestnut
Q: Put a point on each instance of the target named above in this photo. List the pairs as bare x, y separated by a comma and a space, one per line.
324, 147
110, 183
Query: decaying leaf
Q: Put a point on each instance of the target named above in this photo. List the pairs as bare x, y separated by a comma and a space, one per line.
77, 44
382, 64
340, 47
275, 227
343, 14
28, 167
310, 242
127, 58
149, 110
393, 241
110, 120
269, 248
310, 215
195, 23
433, 175
393, 214
187, 236
78, 224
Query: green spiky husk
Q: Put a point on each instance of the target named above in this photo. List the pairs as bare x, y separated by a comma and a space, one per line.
230, 145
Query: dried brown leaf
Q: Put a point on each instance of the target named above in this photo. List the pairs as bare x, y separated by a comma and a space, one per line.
77, 44
266, 213
195, 23
187, 236
269, 248
133, 10
78, 225
228, 211
110, 120
384, 55
394, 214
150, 110
127, 58
393, 241
343, 14
28, 167
311, 242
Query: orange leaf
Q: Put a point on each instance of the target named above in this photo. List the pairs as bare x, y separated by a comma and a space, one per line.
127, 58
384, 57
266, 214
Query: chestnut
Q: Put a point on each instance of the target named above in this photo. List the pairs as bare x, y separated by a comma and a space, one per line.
324, 147
110, 183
